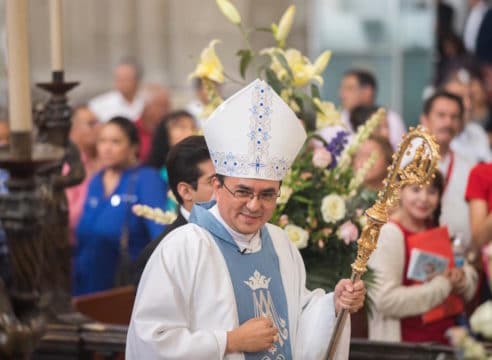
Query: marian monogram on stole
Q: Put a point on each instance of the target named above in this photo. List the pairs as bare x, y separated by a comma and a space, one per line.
264, 306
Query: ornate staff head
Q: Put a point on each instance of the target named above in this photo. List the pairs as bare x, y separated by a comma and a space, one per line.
414, 162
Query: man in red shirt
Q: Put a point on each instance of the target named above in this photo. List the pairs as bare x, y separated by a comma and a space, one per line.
479, 197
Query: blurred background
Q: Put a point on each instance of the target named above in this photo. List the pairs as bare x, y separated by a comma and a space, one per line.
394, 39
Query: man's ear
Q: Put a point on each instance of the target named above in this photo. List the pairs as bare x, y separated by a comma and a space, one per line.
185, 191
216, 183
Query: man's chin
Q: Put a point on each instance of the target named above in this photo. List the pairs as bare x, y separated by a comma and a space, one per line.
249, 227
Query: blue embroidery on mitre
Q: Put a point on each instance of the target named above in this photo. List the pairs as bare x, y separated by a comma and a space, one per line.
229, 164
277, 168
257, 163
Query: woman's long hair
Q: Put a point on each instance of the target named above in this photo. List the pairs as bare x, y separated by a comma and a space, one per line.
160, 140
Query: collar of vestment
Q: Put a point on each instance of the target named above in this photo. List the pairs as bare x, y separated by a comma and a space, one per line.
207, 215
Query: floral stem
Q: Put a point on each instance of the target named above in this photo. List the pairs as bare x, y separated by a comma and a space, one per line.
234, 80
246, 38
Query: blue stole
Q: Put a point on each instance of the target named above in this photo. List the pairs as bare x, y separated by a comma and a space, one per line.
256, 280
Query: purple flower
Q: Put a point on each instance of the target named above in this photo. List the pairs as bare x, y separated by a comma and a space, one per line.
336, 146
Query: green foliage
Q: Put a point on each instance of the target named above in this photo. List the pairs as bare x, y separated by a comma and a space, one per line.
245, 56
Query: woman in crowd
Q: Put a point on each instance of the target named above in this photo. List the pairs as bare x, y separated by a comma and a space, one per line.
109, 235
359, 116
373, 180
173, 128
398, 302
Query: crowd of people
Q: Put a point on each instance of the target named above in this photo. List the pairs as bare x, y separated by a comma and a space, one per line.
137, 148
179, 161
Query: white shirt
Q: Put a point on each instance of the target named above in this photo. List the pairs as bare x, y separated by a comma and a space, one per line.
454, 208
472, 26
472, 143
395, 124
185, 302
184, 212
112, 103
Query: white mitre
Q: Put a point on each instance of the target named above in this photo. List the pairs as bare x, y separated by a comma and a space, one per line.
254, 134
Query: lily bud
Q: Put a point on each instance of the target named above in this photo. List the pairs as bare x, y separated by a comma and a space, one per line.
321, 62
281, 31
229, 11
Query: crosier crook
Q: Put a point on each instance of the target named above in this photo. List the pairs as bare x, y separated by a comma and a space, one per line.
420, 152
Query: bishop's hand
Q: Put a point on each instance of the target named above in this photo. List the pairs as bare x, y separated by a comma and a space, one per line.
257, 334
349, 296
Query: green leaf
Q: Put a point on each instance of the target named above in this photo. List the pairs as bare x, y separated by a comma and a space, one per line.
302, 199
246, 56
299, 103
273, 81
308, 109
283, 61
315, 91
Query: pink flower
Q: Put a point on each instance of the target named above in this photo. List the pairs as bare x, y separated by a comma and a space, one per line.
321, 158
326, 231
348, 232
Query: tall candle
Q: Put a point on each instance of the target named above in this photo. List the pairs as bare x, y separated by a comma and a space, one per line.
20, 112
56, 35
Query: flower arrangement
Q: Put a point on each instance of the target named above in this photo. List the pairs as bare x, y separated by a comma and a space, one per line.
322, 207
321, 204
466, 344
466, 347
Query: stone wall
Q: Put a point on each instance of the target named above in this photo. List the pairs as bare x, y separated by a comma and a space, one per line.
166, 36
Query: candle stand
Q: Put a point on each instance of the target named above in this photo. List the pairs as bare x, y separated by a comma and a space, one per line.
53, 123
22, 214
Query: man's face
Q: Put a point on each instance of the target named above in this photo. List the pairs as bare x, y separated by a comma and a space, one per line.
350, 92
245, 215
204, 189
125, 80
443, 120
464, 92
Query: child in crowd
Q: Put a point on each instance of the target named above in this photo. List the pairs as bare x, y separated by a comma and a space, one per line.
399, 303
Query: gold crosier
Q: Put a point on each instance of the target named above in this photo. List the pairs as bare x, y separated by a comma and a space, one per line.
414, 163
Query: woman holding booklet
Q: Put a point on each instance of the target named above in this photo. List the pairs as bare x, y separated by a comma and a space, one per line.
406, 306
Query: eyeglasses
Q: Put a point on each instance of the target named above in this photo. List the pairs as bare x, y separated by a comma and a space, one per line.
243, 194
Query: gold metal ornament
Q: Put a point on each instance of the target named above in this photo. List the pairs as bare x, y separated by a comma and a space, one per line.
415, 163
